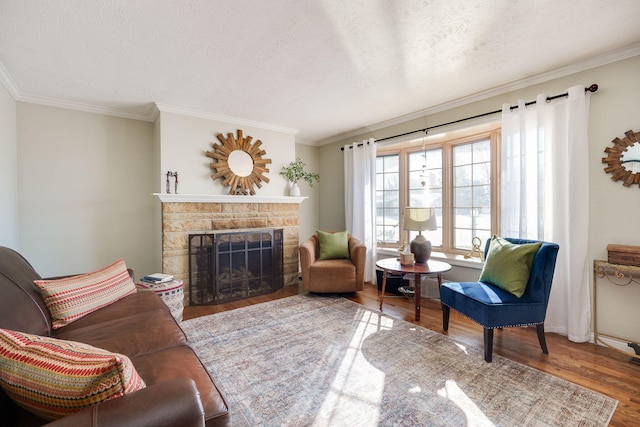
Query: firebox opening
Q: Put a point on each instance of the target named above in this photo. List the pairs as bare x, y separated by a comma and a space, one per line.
228, 266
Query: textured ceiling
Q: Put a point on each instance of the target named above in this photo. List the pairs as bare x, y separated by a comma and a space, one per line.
324, 67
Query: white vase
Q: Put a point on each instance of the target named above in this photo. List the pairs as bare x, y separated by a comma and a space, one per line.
294, 190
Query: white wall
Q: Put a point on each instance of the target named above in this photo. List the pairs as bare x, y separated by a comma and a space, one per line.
84, 184
8, 171
184, 140
309, 207
613, 208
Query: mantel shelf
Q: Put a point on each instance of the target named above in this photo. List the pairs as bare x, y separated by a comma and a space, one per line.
225, 198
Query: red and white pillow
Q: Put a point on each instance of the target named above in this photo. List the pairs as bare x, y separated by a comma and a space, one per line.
53, 378
71, 298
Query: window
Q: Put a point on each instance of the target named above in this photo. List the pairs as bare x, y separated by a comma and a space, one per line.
454, 173
388, 199
471, 193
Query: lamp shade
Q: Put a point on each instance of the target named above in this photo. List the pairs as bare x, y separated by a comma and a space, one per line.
420, 219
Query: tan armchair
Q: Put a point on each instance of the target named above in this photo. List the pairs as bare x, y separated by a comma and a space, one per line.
332, 275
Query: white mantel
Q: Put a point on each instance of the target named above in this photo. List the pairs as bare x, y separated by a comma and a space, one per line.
225, 198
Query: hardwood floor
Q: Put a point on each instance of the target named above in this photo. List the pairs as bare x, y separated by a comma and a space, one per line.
592, 366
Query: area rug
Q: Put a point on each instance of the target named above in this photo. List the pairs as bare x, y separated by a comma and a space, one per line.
312, 360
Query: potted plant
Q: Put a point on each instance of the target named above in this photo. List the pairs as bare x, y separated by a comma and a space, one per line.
295, 172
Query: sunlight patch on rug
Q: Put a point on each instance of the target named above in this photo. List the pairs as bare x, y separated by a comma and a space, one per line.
327, 361
344, 392
473, 414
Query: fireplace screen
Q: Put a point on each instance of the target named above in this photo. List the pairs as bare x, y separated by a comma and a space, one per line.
227, 266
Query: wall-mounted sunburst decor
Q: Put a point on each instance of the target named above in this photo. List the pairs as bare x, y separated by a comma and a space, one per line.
623, 159
239, 163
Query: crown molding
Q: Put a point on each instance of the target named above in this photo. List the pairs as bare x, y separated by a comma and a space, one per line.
305, 141
578, 66
8, 83
18, 96
87, 108
166, 108
151, 116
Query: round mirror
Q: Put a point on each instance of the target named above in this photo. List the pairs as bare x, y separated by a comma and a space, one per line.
631, 158
623, 159
240, 163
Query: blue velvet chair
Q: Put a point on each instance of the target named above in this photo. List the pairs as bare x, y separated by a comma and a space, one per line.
494, 308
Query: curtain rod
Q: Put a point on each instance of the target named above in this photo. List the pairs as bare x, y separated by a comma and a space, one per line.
592, 88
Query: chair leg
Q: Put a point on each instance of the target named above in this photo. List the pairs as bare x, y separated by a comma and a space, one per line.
541, 338
445, 317
488, 345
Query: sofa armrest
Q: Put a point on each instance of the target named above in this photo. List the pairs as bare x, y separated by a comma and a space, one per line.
174, 403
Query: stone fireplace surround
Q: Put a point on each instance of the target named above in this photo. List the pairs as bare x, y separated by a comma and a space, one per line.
183, 214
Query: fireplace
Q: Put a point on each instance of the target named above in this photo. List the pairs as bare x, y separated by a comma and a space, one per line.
185, 214
231, 265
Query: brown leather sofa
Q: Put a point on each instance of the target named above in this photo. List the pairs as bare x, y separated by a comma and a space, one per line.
332, 275
179, 390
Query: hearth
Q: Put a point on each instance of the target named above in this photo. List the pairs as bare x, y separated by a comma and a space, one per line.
231, 265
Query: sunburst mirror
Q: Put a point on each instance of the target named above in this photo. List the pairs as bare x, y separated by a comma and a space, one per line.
623, 159
239, 163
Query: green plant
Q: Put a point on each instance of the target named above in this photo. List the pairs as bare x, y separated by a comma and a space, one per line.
295, 172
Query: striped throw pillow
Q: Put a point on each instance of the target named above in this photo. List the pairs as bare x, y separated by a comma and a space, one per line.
53, 378
71, 298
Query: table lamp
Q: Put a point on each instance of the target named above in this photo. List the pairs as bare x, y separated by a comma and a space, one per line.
420, 219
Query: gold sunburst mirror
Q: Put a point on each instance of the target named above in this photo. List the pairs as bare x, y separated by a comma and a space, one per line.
623, 159
239, 163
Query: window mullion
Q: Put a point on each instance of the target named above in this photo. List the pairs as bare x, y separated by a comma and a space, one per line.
404, 192
447, 197
496, 184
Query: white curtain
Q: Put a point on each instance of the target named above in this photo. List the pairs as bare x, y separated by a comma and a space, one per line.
545, 195
360, 198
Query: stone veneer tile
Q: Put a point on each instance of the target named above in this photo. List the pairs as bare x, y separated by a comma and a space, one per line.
191, 207
240, 207
281, 222
195, 216
290, 233
174, 240
176, 265
279, 207
187, 226
232, 224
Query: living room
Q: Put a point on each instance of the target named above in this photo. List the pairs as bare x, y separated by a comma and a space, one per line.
78, 181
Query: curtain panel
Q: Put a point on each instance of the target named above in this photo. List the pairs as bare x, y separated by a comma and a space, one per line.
360, 201
545, 195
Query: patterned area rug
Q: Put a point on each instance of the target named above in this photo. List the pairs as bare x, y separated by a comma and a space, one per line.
327, 361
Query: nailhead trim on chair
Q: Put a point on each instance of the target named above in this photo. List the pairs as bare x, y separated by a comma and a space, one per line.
496, 327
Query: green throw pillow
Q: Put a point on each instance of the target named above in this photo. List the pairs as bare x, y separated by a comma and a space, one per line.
508, 265
333, 245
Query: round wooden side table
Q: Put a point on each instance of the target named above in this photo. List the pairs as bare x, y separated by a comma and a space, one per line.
430, 267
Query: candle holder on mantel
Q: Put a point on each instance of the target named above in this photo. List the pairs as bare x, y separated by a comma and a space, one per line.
172, 175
